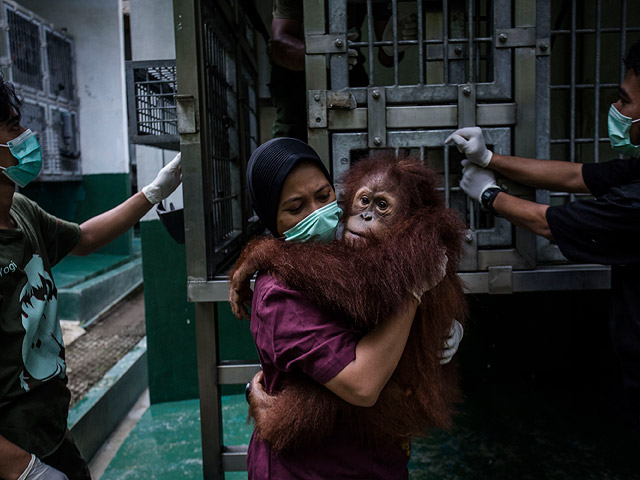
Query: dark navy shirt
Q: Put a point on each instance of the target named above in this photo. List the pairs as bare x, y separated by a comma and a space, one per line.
606, 230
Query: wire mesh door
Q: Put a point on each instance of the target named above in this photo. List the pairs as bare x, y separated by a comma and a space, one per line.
458, 67
486, 230
588, 40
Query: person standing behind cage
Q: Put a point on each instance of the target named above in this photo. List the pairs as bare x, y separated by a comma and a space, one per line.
34, 399
603, 230
287, 51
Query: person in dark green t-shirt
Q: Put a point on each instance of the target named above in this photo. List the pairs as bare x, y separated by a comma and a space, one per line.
34, 398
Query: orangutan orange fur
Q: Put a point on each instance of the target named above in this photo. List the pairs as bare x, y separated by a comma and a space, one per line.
367, 282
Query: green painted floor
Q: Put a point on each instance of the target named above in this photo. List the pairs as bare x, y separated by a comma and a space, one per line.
503, 432
165, 443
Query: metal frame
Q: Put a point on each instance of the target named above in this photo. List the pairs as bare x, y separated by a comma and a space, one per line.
151, 103
379, 115
579, 40
216, 105
343, 120
59, 164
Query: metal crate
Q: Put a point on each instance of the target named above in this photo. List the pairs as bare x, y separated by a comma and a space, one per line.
493, 63
41, 65
151, 90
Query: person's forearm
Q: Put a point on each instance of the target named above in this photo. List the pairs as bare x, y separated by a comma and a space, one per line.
523, 213
13, 459
288, 52
106, 227
547, 174
377, 356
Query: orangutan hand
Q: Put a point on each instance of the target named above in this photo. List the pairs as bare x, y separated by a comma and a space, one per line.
259, 400
432, 282
240, 293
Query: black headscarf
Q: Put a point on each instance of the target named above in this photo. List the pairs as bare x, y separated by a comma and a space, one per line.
267, 170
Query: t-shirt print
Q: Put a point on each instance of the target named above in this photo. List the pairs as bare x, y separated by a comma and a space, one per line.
42, 347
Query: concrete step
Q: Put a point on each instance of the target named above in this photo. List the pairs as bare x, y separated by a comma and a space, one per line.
87, 289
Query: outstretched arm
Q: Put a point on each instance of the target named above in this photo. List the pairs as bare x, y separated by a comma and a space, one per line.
106, 227
547, 174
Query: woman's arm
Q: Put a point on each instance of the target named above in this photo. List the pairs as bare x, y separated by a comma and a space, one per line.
377, 356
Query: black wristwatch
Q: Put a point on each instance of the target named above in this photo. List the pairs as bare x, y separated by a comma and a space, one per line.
488, 196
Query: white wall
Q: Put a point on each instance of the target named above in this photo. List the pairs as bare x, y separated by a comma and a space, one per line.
152, 38
97, 30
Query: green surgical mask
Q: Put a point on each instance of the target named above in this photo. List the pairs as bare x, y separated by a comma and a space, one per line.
27, 150
319, 226
619, 127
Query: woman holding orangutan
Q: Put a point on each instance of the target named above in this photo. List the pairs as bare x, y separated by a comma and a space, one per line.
299, 341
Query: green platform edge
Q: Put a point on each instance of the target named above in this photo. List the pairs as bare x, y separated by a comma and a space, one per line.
103, 407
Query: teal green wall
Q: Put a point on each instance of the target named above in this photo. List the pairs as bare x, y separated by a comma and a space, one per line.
102, 193
170, 319
79, 201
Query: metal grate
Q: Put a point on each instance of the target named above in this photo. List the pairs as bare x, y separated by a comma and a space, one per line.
60, 62
65, 148
25, 47
151, 88
591, 40
155, 101
222, 137
42, 69
455, 44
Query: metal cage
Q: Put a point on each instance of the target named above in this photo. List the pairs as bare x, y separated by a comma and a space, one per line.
151, 103
517, 68
40, 63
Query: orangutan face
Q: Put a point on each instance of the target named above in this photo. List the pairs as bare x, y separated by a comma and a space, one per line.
373, 209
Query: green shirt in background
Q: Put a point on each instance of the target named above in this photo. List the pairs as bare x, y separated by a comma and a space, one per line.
34, 398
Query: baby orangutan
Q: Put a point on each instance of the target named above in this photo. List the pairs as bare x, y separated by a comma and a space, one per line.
398, 238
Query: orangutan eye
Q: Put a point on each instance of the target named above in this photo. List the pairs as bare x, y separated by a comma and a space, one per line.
382, 205
365, 200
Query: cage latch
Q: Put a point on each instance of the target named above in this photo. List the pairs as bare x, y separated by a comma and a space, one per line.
522, 37
377, 117
332, 43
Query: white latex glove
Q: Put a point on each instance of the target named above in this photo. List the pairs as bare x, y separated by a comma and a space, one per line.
452, 342
471, 142
407, 30
167, 180
36, 470
352, 52
476, 180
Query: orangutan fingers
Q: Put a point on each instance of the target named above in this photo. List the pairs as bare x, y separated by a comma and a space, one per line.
440, 274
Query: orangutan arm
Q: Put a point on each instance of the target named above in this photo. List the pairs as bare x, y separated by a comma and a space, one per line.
377, 356
377, 278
